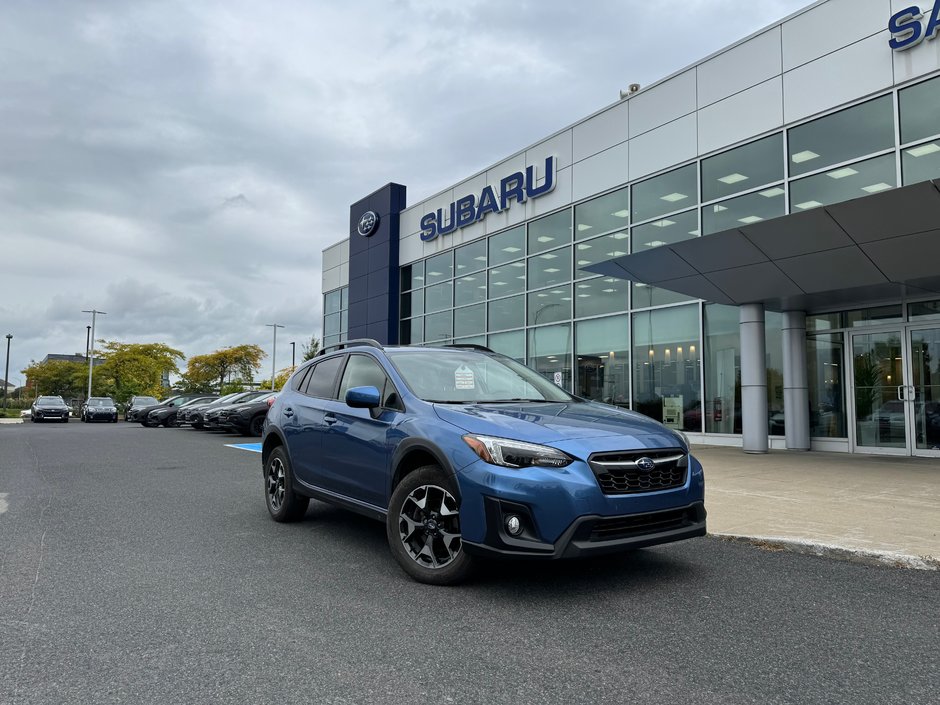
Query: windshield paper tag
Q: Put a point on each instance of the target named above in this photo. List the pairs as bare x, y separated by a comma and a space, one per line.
463, 378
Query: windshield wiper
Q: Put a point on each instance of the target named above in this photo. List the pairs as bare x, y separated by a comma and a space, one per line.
449, 401
510, 401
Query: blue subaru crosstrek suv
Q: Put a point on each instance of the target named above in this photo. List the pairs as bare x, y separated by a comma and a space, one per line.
465, 453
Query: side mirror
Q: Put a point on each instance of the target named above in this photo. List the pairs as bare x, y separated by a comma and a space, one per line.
363, 398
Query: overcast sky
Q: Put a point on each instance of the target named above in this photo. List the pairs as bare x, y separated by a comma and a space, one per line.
181, 165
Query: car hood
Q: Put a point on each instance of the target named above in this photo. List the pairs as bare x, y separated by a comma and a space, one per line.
549, 422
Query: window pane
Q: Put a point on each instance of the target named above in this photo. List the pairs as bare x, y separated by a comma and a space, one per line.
773, 337
361, 371
925, 309
877, 316
598, 296
921, 163
722, 369
743, 210
508, 279
472, 340
321, 382
550, 305
550, 268
470, 289
675, 228
600, 249
511, 344
743, 168
439, 297
844, 183
507, 313
550, 354
664, 194
920, 111
412, 304
331, 324
472, 257
666, 366
439, 326
332, 302
439, 268
470, 320
343, 322
603, 360
344, 301
331, 340
412, 276
412, 331
824, 358
836, 138
507, 246
824, 321
549, 232
608, 212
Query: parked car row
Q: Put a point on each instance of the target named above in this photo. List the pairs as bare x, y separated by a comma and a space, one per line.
243, 412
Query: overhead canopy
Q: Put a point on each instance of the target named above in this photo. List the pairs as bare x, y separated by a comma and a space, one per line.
875, 248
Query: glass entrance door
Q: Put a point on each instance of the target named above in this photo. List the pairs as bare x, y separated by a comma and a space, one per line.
880, 409
924, 392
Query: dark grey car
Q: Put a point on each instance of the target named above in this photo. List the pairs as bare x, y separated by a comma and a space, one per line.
49, 409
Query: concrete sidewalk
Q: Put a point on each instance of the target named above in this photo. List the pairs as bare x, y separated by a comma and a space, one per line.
887, 509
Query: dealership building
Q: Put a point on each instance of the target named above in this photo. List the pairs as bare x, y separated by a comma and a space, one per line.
747, 250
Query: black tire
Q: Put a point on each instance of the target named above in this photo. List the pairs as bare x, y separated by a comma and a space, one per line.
283, 503
438, 561
256, 426
65, 419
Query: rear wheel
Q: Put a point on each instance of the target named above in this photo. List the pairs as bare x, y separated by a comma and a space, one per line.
423, 528
283, 503
256, 426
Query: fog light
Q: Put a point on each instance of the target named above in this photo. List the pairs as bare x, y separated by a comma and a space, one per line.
513, 525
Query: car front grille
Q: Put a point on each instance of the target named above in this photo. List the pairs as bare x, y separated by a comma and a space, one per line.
618, 473
624, 527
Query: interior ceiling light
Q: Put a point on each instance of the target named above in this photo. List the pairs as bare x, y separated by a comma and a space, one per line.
803, 156
694, 232
616, 253
747, 220
620, 236
875, 188
771, 192
610, 280
546, 238
923, 150
511, 249
664, 223
469, 279
805, 205
499, 283
584, 296
621, 214
655, 243
584, 286
673, 197
582, 246
719, 209
582, 227
548, 256
481, 258
732, 178
609, 291
553, 270
841, 173
434, 274
542, 296
582, 262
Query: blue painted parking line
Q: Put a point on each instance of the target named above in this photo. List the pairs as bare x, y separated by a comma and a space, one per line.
253, 447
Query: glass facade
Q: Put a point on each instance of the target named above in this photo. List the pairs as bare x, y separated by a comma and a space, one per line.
335, 315
525, 292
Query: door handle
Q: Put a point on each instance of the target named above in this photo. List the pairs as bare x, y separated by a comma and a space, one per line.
329, 419
288, 412
913, 393
900, 395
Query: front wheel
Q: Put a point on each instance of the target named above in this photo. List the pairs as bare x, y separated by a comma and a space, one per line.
283, 503
256, 426
423, 528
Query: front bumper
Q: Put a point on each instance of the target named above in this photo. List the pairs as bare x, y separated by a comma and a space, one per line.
101, 415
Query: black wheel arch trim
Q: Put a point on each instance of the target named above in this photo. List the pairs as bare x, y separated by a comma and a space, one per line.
410, 445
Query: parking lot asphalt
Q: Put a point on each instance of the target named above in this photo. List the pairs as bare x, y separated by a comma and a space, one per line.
140, 565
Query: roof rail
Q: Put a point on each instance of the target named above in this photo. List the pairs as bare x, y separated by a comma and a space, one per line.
471, 346
369, 342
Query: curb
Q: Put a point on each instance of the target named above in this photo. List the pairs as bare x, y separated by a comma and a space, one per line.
11, 420
855, 555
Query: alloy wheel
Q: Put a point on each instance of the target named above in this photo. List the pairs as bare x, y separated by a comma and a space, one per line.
276, 484
429, 526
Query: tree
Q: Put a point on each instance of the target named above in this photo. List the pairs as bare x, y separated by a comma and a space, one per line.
311, 349
214, 369
130, 369
57, 378
280, 379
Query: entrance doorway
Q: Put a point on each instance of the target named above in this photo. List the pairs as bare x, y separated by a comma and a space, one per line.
896, 390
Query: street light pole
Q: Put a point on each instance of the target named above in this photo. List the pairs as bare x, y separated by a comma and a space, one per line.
87, 340
91, 346
275, 326
293, 354
6, 372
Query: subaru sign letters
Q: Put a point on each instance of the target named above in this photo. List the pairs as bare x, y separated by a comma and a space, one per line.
519, 186
907, 29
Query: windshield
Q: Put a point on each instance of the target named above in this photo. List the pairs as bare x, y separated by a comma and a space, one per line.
50, 401
467, 376
145, 401
100, 401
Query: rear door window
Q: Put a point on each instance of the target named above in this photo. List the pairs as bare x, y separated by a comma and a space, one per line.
321, 382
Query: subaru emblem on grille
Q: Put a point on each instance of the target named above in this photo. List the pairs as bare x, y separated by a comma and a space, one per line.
645, 464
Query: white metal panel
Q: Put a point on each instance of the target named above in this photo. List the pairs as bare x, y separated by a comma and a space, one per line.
558, 146
515, 214
560, 196
664, 147
410, 249
751, 112
919, 61
662, 103
831, 26
739, 68
601, 172
344, 250
848, 74
331, 279
344, 274
601, 132
333, 255
410, 220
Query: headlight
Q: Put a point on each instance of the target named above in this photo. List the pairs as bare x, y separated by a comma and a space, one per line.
515, 454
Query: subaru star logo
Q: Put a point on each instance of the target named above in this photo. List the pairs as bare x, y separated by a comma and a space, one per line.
645, 464
368, 223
